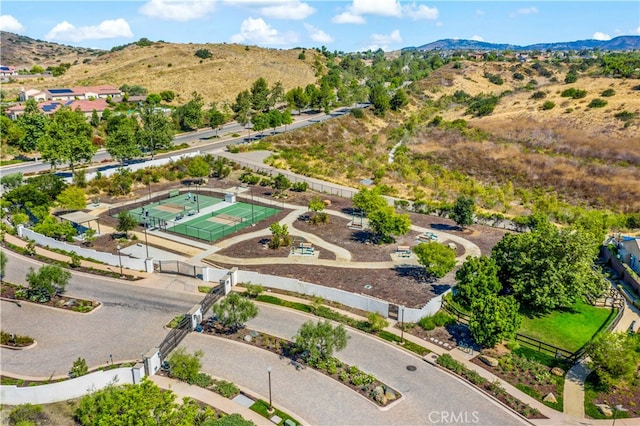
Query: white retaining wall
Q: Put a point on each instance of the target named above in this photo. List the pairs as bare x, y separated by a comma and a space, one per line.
68, 389
433, 306
108, 258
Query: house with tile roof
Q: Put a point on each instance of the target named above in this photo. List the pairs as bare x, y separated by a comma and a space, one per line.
6, 71
71, 93
85, 106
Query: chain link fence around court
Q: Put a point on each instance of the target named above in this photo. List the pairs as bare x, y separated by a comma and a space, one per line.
322, 187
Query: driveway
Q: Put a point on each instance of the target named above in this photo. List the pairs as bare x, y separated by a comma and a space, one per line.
430, 395
129, 323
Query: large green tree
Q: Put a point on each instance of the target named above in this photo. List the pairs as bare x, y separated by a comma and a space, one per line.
494, 319
369, 200
216, 117
385, 223
122, 142
190, 116
234, 310
242, 107
379, 98
260, 95
476, 278
319, 340
155, 131
67, 139
462, 212
72, 198
126, 222
437, 259
548, 268
297, 98
33, 124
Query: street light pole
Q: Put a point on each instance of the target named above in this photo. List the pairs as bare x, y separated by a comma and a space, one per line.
402, 325
119, 247
146, 242
270, 405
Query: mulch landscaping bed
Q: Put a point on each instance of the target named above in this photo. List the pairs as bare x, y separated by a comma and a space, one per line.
8, 291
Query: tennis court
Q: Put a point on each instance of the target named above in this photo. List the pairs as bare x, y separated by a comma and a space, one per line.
175, 207
220, 223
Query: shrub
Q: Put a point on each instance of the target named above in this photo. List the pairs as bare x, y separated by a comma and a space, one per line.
608, 93
357, 113
203, 53
597, 103
225, 389
27, 414
79, 368
494, 78
625, 115
538, 95
518, 76
548, 105
573, 93
254, 290
376, 321
300, 186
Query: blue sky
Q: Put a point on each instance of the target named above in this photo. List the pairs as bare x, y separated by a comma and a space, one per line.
353, 25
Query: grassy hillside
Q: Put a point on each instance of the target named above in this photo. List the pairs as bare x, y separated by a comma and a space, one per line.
168, 66
516, 159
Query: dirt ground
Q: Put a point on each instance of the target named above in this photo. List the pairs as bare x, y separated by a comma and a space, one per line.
403, 285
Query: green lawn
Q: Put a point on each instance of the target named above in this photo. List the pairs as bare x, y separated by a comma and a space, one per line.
568, 329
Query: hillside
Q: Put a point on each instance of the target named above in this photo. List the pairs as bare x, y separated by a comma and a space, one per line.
617, 43
24, 52
168, 66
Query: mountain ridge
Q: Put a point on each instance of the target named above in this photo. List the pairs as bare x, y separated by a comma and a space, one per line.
617, 43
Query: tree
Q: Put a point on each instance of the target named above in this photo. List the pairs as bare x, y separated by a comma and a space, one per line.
190, 115
614, 357
386, 223
234, 310
398, 100
287, 119
3, 265
274, 119
216, 117
33, 124
95, 119
260, 122
260, 95
279, 235
72, 198
277, 94
476, 278
548, 268
242, 107
54, 228
379, 98
319, 340
436, 258
121, 142
297, 98
198, 167
126, 222
369, 200
156, 131
185, 366
281, 183
494, 319
47, 282
10, 133
462, 212
67, 139
11, 181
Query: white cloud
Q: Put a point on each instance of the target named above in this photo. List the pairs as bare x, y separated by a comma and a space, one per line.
480, 12
383, 41
376, 7
111, 28
317, 35
348, 18
638, 30
477, 38
257, 31
177, 10
439, 24
600, 36
11, 24
416, 12
288, 10
527, 11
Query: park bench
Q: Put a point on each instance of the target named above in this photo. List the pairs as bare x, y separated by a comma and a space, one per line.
403, 251
191, 212
179, 216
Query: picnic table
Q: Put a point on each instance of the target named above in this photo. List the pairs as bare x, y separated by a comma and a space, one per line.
403, 251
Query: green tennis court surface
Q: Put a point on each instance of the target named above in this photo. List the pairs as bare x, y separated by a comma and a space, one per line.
220, 223
195, 215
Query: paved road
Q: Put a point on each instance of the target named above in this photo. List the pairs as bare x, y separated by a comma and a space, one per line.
429, 394
129, 323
